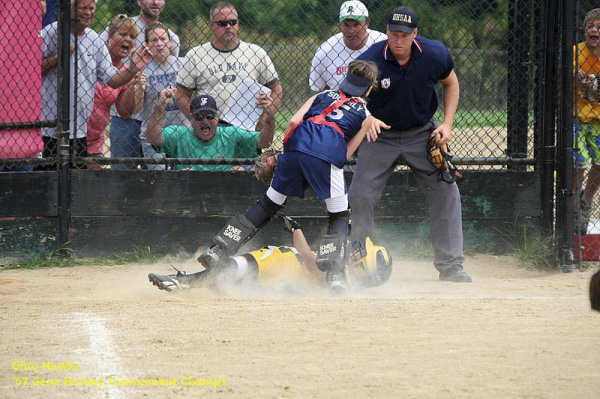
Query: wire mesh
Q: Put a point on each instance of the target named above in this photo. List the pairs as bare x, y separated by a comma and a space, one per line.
281, 39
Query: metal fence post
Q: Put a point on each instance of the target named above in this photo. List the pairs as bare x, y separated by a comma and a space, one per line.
547, 98
63, 128
565, 195
519, 31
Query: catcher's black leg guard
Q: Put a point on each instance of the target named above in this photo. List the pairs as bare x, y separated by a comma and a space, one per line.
339, 222
238, 231
331, 256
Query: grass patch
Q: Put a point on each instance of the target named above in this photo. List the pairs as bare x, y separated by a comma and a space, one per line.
142, 254
419, 250
530, 245
422, 250
53, 258
65, 258
59, 257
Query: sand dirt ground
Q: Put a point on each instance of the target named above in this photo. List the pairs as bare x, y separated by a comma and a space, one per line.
512, 333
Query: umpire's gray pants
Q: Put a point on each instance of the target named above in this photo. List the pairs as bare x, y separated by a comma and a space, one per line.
375, 163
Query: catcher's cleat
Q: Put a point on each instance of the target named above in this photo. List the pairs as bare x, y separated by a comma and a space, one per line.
455, 274
172, 282
336, 283
211, 257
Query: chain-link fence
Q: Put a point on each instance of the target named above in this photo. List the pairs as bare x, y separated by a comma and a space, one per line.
117, 84
232, 56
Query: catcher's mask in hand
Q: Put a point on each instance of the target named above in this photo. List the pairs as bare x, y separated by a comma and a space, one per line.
441, 160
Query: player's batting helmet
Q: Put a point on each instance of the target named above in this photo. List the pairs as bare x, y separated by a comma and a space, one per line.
373, 269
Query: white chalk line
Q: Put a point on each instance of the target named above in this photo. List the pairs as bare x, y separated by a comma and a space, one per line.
101, 356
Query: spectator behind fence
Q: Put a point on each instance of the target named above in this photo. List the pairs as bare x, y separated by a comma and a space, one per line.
20, 81
50, 12
404, 103
206, 140
125, 133
93, 65
217, 68
123, 101
330, 63
161, 72
586, 63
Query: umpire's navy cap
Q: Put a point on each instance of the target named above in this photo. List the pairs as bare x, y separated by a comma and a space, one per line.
402, 19
203, 102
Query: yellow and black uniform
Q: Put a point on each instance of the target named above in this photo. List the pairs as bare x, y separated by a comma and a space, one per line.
282, 268
272, 266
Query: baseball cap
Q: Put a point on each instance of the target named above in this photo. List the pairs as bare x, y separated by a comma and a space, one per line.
402, 19
353, 10
203, 102
355, 85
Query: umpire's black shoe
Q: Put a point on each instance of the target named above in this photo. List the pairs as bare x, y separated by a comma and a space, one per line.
455, 274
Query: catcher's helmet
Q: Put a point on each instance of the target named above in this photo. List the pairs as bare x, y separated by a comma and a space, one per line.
375, 268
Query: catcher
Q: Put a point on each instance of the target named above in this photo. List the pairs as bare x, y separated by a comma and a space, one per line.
290, 268
319, 139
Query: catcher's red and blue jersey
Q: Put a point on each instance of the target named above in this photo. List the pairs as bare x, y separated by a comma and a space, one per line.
326, 139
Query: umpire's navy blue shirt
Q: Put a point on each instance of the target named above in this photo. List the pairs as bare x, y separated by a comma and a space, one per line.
405, 97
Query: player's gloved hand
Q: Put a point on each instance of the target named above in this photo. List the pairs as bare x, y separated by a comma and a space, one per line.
289, 224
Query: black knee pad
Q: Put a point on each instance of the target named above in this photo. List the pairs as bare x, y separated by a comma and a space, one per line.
332, 254
238, 231
339, 222
269, 206
263, 211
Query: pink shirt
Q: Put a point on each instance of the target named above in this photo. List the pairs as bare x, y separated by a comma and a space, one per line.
20, 77
104, 98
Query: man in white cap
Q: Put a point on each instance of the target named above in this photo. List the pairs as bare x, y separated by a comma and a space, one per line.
330, 63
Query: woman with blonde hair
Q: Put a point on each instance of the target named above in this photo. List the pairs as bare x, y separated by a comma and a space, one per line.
123, 101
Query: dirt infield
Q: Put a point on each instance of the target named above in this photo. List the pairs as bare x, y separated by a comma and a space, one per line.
512, 333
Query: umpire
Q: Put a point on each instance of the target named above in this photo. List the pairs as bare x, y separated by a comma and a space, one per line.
404, 103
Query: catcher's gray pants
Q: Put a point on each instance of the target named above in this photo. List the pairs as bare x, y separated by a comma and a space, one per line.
375, 163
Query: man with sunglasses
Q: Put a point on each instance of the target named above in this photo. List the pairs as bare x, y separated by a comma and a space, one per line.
330, 63
218, 67
206, 140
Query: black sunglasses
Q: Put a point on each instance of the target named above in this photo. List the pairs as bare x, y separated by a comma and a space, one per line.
223, 24
199, 117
